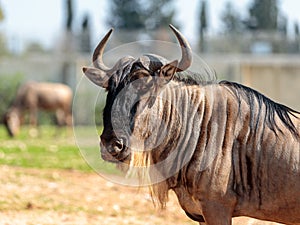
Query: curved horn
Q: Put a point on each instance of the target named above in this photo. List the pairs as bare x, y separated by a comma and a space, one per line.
186, 58
98, 53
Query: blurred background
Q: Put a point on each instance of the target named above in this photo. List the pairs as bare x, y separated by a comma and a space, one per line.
255, 42
44, 179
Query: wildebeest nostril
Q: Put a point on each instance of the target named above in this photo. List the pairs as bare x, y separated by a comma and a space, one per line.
119, 145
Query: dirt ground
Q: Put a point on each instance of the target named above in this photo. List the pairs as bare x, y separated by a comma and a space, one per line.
32, 196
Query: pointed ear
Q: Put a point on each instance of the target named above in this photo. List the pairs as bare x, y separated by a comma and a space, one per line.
97, 76
167, 71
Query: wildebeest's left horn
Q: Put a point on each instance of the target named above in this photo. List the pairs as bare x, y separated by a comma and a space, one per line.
186, 58
98, 53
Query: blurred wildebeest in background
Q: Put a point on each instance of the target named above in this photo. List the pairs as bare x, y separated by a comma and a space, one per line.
225, 149
34, 96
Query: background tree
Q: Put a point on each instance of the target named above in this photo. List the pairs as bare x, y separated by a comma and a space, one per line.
159, 13
282, 24
263, 15
126, 14
68, 42
137, 14
85, 36
203, 24
297, 36
1, 14
69, 13
8, 89
231, 19
3, 47
296, 29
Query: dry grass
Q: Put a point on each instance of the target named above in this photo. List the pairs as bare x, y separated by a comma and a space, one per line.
34, 196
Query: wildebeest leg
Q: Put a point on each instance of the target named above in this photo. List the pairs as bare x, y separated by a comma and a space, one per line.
216, 214
60, 120
69, 123
64, 118
33, 132
68, 117
60, 117
33, 117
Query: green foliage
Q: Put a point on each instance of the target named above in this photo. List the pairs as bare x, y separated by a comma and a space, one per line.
297, 37
85, 35
35, 47
125, 14
158, 13
231, 19
8, 89
1, 14
69, 14
135, 14
203, 15
264, 15
203, 24
46, 118
3, 45
296, 29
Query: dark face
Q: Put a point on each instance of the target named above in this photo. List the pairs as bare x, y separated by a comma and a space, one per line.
125, 99
132, 91
132, 85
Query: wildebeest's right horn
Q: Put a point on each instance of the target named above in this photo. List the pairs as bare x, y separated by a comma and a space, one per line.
98, 53
186, 59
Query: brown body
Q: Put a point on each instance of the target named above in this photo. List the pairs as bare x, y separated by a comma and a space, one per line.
253, 172
223, 148
34, 96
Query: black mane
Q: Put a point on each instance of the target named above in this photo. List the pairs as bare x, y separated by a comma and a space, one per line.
272, 108
192, 78
251, 95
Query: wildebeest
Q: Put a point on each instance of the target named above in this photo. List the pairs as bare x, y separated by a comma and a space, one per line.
34, 96
225, 149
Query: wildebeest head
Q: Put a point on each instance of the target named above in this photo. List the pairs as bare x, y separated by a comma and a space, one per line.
133, 86
12, 122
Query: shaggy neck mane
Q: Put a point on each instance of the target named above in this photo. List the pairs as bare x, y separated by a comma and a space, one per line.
255, 100
250, 95
272, 108
190, 78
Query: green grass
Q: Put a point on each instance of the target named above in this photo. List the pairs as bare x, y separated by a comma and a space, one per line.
50, 149
66, 157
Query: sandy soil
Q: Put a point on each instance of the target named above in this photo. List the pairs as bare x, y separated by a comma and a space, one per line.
32, 196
